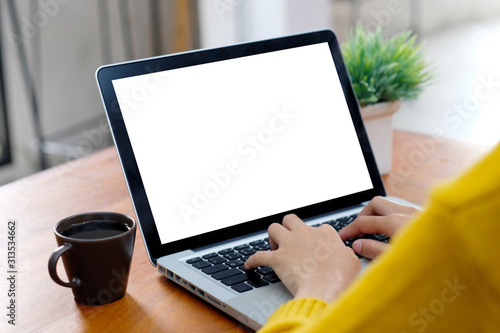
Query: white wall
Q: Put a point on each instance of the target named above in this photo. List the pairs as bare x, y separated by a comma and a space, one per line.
443, 13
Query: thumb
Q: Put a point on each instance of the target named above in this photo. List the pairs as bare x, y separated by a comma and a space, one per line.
369, 248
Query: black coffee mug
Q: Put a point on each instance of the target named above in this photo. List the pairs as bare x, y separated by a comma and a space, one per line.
96, 249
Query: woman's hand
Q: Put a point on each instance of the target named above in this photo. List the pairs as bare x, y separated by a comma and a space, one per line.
311, 262
379, 216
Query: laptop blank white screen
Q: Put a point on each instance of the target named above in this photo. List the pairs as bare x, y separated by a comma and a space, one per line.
228, 142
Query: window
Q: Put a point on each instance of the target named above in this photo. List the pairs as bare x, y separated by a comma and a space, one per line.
5, 156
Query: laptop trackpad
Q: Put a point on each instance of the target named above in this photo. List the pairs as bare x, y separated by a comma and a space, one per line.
259, 304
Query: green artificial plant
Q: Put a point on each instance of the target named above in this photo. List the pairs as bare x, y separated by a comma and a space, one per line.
384, 70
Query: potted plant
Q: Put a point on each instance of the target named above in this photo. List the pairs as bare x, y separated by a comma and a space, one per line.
384, 72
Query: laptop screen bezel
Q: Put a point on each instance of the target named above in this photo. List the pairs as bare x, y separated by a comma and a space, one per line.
106, 74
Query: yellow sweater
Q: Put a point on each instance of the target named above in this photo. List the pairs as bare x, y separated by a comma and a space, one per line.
442, 273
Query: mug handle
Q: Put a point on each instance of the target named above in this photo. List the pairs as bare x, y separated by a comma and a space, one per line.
53, 264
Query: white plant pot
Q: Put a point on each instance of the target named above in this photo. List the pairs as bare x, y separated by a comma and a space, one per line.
378, 124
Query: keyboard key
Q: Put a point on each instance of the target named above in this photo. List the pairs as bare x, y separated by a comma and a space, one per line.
263, 247
257, 282
226, 251
248, 252
216, 260
339, 223
378, 237
257, 242
201, 264
265, 270
225, 274
235, 279
272, 278
214, 269
234, 263
232, 256
241, 247
193, 260
241, 287
210, 255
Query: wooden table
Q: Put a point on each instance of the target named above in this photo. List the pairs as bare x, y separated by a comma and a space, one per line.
152, 303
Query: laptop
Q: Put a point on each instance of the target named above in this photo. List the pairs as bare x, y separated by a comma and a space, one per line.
217, 144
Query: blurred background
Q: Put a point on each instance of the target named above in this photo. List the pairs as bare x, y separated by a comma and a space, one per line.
51, 111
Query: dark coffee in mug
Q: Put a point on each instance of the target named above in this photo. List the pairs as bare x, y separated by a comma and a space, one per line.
96, 250
95, 229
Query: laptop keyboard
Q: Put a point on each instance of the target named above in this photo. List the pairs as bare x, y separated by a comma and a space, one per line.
227, 266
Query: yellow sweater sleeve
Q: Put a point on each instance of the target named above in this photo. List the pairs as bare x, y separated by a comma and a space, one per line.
442, 273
